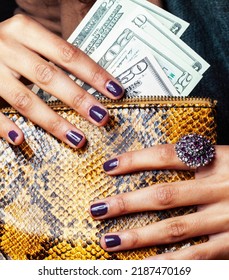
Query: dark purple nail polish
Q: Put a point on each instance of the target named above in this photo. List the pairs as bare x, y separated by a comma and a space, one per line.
114, 88
97, 113
13, 135
110, 164
74, 137
99, 209
112, 241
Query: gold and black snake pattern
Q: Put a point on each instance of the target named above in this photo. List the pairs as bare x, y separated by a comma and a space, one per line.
46, 187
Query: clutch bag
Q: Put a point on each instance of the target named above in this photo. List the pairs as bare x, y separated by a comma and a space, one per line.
46, 186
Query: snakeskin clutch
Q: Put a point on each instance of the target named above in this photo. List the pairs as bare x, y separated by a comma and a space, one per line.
46, 187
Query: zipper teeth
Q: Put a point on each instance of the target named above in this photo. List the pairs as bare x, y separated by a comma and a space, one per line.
157, 99
151, 100
176, 100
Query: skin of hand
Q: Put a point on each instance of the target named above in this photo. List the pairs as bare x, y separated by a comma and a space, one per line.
30, 51
209, 191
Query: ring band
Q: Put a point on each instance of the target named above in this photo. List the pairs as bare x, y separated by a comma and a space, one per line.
195, 150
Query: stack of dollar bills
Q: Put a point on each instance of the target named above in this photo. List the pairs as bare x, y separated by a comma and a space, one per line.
139, 44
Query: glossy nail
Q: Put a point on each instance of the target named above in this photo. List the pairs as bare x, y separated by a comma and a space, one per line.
97, 113
13, 135
74, 137
110, 164
114, 88
112, 241
99, 209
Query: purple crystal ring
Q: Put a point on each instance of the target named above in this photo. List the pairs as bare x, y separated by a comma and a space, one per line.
195, 150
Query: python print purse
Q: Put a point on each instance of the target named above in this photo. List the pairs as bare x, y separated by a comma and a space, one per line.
46, 186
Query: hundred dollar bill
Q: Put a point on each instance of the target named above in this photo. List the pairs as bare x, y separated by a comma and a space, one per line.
175, 24
126, 44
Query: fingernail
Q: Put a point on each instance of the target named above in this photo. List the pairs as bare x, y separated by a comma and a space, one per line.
110, 164
97, 113
13, 135
112, 241
114, 88
74, 137
99, 209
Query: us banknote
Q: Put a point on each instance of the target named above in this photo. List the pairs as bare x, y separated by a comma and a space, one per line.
118, 34
127, 43
144, 77
143, 20
106, 14
119, 16
175, 24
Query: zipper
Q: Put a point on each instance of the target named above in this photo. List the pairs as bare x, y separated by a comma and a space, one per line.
139, 101
150, 100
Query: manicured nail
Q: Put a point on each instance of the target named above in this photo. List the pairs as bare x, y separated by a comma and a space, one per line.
112, 241
74, 137
99, 209
110, 164
97, 113
13, 135
114, 88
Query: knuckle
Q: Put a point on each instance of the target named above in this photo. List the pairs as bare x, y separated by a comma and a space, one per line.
166, 153
44, 73
199, 255
128, 160
55, 126
68, 53
175, 229
98, 76
78, 100
133, 239
121, 204
165, 195
17, 22
22, 101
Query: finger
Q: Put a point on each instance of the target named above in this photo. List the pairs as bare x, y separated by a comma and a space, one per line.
156, 157
53, 80
32, 107
160, 197
218, 166
164, 232
10, 131
211, 250
68, 57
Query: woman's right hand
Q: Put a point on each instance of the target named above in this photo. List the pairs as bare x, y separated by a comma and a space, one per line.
25, 48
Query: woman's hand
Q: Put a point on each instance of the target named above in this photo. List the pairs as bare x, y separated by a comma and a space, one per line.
25, 49
209, 190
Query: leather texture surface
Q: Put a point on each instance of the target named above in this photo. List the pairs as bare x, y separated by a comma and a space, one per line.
46, 187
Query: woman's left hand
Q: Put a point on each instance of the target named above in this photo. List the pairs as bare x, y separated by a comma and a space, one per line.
209, 190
